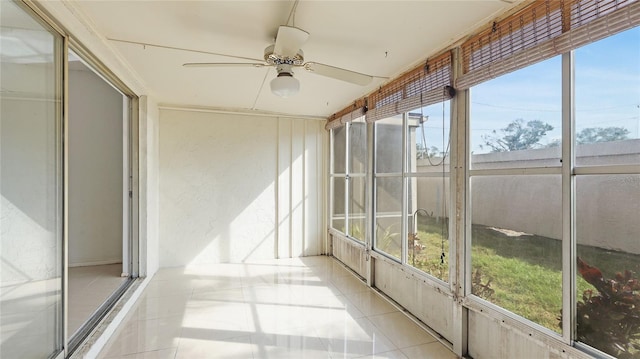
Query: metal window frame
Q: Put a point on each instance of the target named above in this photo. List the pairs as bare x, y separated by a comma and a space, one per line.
568, 172
350, 175
347, 192
478, 304
568, 200
572, 173
443, 286
376, 251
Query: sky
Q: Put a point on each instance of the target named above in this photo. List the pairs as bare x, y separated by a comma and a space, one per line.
607, 93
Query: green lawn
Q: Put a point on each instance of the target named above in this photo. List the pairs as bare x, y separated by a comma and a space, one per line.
520, 272
525, 271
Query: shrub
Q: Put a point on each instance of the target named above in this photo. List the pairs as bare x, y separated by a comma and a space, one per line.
482, 290
609, 318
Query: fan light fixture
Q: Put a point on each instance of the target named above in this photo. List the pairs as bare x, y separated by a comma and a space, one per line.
285, 85
285, 54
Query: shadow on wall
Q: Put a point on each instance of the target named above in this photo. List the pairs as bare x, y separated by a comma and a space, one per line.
237, 187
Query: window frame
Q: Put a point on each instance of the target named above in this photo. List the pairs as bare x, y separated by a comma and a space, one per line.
406, 175
374, 206
569, 172
478, 303
347, 176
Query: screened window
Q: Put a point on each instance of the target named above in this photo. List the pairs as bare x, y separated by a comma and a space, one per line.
348, 178
357, 178
338, 177
516, 253
389, 186
389, 145
516, 218
428, 149
338, 218
607, 91
516, 119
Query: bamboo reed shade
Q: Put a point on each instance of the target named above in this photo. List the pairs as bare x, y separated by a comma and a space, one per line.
424, 85
347, 114
421, 86
543, 29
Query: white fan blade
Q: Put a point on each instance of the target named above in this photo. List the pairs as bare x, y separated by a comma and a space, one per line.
289, 40
223, 64
338, 73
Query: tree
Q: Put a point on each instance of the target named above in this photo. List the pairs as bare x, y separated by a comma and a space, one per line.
517, 136
600, 134
423, 152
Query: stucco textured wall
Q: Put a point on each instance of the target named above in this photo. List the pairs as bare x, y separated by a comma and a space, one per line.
235, 188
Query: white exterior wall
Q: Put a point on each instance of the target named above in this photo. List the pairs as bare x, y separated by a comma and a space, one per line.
95, 170
238, 187
603, 202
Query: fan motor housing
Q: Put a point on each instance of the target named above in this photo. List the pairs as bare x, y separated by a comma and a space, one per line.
275, 59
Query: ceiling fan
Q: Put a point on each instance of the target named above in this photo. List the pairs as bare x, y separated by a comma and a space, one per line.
284, 55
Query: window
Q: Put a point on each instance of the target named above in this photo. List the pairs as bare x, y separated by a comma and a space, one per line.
428, 189
607, 95
357, 178
348, 179
516, 119
389, 186
338, 177
516, 215
516, 254
412, 188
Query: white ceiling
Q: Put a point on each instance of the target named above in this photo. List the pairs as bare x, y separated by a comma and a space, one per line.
381, 38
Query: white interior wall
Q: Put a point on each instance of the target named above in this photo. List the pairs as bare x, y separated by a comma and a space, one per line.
237, 187
149, 117
95, 170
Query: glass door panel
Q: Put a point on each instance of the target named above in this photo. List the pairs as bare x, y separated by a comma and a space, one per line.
31, 186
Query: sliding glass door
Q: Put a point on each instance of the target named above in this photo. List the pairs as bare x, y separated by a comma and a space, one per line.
31, 244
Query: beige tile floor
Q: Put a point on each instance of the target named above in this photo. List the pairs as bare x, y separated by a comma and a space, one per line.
293, 308
29, 310
89, 287
29, 317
